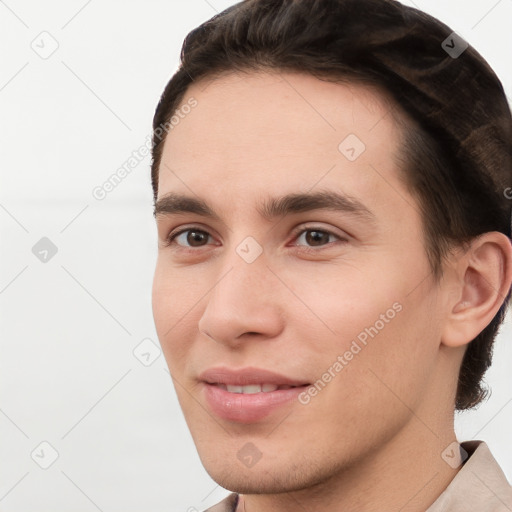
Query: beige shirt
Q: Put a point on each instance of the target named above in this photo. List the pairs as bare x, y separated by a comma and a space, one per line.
480, 486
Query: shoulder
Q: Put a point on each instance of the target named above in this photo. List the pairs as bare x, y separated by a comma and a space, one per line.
480, 485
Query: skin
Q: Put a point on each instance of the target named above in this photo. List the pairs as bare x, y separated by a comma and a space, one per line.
389, 411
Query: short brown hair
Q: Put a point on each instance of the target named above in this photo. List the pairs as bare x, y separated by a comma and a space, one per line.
456, 161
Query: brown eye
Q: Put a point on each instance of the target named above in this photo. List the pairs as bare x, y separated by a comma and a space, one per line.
190, 238
316, 237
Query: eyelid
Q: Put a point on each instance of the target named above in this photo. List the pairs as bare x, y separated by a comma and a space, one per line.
315, 227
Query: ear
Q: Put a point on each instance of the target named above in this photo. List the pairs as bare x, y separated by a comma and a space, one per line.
482, 280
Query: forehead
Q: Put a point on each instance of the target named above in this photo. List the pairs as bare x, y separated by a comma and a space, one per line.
286, 131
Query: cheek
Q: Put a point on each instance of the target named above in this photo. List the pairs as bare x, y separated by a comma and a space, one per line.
173, 302
371, 390
396, 362
342, 300
373, 321
175, 292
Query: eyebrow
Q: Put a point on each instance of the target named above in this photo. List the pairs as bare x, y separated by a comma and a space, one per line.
271, 208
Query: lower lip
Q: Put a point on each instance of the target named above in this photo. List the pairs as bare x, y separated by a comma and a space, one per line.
248, 408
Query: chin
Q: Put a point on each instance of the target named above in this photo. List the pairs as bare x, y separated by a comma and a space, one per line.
252, 481
265, 477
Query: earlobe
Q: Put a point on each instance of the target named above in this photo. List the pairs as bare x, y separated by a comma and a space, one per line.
485, 277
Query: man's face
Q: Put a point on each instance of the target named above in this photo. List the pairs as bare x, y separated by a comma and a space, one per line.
332, 301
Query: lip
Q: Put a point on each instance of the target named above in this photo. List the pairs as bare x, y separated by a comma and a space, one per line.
247, 408
246, 377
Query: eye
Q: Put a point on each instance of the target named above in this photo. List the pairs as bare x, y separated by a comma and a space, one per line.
315, 237
192, 236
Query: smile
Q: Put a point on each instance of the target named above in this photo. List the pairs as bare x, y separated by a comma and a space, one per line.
248, 395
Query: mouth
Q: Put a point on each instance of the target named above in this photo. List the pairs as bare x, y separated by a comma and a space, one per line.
248, 395
252, 389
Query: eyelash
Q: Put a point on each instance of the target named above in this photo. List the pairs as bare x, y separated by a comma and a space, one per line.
299, 231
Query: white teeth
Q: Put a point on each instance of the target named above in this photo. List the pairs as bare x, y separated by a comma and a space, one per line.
250, 389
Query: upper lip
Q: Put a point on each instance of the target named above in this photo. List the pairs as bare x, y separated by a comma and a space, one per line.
246, 377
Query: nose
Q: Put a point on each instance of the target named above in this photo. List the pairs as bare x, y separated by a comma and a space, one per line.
245, 303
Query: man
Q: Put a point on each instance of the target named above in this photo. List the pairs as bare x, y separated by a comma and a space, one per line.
334, 254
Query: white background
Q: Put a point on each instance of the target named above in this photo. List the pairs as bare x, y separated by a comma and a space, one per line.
69, 326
